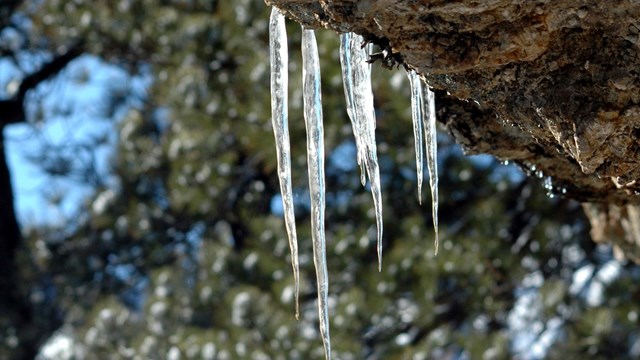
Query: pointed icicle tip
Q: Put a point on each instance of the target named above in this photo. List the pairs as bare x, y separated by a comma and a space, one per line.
429, 119
312, 104
356, 77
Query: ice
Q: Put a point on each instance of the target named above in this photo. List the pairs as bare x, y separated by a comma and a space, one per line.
429, 118
347, 80
315, 157
356, 74
416, 115
279, 117
423, 112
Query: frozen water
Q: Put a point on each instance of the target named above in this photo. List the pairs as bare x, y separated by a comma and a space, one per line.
416, 116
347, 80
279, 117
356, 75
429, 118
315, 157
423, 113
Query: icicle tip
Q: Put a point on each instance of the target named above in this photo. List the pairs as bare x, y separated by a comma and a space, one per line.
435, 252
297, 303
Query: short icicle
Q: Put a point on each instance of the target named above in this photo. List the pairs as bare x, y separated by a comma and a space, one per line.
356, 74
429, 118
416, 115
315, 158
347, 81
279, 117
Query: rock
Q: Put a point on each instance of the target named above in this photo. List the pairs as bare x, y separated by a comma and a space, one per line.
618, 225
551, 85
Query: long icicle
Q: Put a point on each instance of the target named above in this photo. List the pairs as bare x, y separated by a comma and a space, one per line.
357, 81
279, 116
363, 96
429, 117
416, 115
315, 158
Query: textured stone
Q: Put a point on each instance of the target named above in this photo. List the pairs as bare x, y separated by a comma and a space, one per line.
618, 225
551, 85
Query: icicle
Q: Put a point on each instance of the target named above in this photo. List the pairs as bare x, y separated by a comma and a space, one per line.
347, 80
356, 74
416, 115
315, 158
279, 87
429, 118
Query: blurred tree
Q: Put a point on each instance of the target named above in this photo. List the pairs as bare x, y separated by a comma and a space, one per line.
15, 308
187, 256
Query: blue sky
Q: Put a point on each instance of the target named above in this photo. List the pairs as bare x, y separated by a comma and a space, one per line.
77, 128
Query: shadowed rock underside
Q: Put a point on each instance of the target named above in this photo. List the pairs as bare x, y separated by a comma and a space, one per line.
553, 86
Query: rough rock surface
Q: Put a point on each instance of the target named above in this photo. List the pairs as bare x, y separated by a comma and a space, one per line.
551, 85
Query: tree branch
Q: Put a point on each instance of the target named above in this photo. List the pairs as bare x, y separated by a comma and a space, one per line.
13, 299
12, 110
